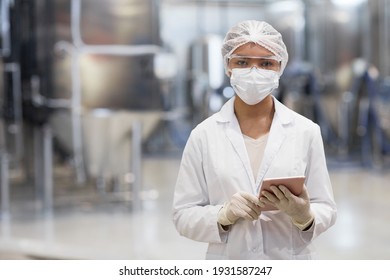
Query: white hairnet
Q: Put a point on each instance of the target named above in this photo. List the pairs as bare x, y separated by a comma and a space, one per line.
258, 32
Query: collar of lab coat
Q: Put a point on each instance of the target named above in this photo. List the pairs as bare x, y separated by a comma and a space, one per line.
227, 112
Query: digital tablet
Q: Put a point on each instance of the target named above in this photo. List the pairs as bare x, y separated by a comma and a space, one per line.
294, 184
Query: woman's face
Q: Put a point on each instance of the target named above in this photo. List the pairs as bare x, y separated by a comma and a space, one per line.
253, 55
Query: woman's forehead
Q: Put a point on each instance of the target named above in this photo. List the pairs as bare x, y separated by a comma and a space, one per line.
252, 49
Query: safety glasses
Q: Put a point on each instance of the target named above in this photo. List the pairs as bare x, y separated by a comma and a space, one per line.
263, 62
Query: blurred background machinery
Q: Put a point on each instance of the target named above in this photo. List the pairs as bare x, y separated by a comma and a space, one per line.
90, 87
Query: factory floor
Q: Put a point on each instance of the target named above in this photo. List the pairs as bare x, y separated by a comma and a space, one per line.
87, 224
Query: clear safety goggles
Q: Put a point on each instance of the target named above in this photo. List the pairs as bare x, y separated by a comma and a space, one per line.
263, 62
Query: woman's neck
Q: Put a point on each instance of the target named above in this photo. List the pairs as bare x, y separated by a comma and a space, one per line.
255, 120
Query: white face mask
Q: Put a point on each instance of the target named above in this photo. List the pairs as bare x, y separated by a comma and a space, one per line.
252, 85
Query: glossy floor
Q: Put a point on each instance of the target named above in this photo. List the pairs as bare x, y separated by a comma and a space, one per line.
87, 225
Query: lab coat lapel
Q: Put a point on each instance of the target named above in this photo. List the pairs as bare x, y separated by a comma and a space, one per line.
233, 133
278, 134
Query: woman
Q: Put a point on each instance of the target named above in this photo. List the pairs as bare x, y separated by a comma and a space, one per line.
252, 138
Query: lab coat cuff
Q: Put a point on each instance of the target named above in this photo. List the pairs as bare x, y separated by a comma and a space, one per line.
222, 229
305, 226
222, 218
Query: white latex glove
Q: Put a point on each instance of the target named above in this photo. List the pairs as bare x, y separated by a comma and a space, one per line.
297, 207
242, 205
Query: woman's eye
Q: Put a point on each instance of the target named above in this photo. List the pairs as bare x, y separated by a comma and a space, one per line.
267, 63
242, 62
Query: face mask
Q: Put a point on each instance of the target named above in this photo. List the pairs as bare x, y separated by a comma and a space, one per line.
253, 85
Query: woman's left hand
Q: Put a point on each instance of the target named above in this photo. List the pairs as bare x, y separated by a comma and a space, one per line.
297, 207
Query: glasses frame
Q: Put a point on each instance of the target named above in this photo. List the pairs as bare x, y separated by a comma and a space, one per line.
249, 57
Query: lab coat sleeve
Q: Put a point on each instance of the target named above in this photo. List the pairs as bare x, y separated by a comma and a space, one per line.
193, 215
320, 190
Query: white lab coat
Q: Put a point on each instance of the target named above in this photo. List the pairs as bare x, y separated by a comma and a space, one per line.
215, 165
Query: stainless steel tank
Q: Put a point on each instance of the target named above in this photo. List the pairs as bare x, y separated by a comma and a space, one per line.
98, 59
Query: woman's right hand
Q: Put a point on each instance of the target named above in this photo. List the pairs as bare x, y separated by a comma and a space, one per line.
242, 205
